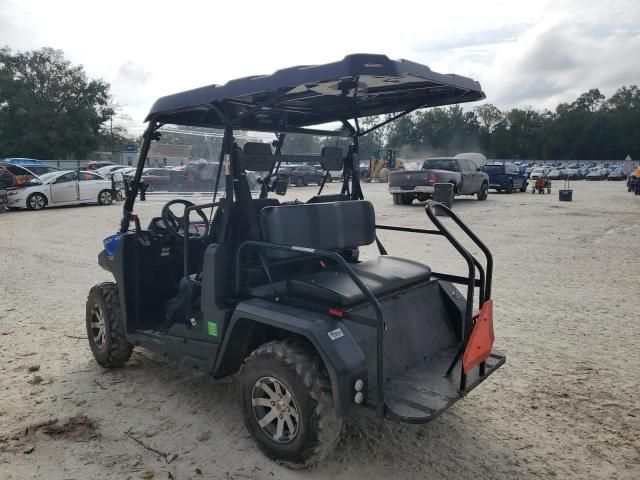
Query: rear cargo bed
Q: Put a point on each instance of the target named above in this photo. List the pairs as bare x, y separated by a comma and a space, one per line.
423, 392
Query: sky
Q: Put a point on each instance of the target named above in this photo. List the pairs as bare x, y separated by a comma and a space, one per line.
524, 53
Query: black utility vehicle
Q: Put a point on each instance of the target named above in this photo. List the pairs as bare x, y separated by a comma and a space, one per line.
276, 291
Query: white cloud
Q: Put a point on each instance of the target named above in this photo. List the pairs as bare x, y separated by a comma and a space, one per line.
522, 52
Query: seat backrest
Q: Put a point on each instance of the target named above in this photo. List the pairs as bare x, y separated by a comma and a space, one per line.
331, 158
327, 226
257, 156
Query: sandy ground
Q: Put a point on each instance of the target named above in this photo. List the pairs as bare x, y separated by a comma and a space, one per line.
565, 406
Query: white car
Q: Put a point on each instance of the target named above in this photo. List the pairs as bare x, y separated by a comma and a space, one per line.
109, 169
62, 188
538, 172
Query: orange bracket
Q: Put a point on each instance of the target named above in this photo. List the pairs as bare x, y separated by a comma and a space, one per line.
481, 339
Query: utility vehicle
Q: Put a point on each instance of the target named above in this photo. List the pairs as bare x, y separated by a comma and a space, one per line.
275, 292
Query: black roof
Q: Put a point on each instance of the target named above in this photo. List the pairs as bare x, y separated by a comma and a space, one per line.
357, 86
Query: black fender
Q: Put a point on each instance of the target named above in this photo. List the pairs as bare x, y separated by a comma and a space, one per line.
257, 321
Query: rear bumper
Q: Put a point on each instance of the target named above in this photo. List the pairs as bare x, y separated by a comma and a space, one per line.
423, 392
417, 189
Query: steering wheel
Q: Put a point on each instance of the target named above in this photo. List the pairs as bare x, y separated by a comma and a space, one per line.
175, 224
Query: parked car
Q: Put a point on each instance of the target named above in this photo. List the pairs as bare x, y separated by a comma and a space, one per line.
107, 170
301, 175
62, 188
597, 174
466, 176
538, 172
95, 165
617, 174
23, 161
556, 174
505, 177
156, 178
14, 175
40, 169
573, 174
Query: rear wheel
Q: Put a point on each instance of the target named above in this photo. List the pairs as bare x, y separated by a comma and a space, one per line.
287, 405
105, 197
36, 201
299, 182
396, 198
484, 192
105, 327
509, 188
406, 199
523, 188
383, 175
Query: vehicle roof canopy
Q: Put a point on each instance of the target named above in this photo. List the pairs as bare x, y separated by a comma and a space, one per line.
357, 86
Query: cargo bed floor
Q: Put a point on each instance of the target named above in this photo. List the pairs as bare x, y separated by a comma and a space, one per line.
423, 392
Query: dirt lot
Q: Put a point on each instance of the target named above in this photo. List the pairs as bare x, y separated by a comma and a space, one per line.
566, 405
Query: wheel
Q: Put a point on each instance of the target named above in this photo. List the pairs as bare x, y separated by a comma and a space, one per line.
299, 182
548, 190
396, 198
484, 192
105, 328
383, 175
406, 199
523, 188
509, 188
287, 404
105, 197
36, 201
329, 179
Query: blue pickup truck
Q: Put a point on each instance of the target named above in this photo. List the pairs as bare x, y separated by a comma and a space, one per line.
505, 177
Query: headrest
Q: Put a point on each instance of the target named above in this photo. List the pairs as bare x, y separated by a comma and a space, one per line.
256, 148
257, 156
331, 158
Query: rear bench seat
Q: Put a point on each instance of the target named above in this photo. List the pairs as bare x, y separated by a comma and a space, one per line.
336, 226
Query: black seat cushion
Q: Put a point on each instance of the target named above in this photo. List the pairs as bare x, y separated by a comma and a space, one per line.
327, 226
332, 285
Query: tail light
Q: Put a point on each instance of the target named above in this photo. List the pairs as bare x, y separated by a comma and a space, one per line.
431, 177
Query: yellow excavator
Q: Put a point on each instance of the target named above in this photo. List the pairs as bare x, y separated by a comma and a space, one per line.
383, 162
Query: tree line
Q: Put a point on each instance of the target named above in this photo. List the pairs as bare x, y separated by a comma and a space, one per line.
50, 109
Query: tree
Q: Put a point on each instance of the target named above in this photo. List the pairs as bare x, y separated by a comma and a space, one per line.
48, 107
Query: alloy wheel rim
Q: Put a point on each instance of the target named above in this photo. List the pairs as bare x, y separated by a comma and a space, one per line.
37, 202
275, 410
98, 327
105, 197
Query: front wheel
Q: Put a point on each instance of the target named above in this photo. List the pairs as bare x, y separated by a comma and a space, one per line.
484, 192
105, 327
299, 182
36, 201
105, 197
287, 405
523, 188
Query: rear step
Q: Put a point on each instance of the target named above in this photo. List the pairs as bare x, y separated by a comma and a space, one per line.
423, 392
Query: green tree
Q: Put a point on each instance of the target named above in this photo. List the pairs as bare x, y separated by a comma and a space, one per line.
48, 107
